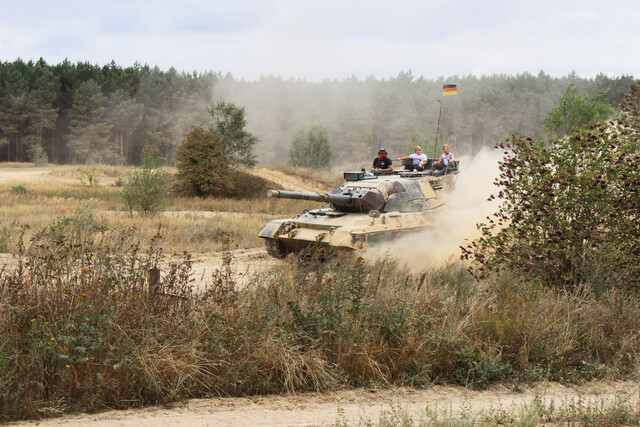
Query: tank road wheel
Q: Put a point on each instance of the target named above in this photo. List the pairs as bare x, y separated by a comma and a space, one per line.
275, 248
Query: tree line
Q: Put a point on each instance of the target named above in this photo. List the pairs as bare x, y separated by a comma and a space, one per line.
85, 113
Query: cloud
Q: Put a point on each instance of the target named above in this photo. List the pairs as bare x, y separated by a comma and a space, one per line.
331, 39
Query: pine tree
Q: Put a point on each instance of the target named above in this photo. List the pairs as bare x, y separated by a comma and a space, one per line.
89, 131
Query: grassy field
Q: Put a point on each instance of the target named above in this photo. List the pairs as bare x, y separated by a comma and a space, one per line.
85, 324
187, 224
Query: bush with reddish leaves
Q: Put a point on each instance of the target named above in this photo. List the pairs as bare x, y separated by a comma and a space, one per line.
571, 207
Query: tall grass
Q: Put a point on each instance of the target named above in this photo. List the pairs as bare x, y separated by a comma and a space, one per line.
90, 320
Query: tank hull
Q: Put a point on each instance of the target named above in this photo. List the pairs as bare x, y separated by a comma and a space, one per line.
411, 203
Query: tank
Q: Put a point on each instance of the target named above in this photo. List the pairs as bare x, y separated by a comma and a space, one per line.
367, 209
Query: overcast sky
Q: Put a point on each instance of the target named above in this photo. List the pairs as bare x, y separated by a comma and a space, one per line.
332, 39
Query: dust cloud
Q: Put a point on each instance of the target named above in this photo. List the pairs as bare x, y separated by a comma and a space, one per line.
466, 206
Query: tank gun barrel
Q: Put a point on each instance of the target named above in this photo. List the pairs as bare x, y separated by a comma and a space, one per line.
361, 201
339, 199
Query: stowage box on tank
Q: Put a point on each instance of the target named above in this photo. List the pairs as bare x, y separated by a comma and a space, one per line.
366, 209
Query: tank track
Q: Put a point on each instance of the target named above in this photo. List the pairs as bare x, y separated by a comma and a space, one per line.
275, 248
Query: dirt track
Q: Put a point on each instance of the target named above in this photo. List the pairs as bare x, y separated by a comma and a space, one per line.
356, 407
245, 264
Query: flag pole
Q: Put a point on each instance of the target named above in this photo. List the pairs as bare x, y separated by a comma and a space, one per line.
446, 90
435, 148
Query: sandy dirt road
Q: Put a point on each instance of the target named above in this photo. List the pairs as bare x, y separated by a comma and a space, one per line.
355, 407
22, 175
245, 264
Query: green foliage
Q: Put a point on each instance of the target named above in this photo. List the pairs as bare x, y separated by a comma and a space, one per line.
229, 126
125, 115
27, 106
38, 155
424, 138
146, 188
630, 107
570, 209
310, 147
576, 111
38, 100
202, 164
18, 189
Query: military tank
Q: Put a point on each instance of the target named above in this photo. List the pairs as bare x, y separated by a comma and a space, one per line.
368, 208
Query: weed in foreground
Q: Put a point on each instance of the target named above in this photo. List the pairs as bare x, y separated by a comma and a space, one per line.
541, 410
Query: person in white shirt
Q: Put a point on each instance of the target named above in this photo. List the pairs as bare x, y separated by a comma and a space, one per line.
419, 160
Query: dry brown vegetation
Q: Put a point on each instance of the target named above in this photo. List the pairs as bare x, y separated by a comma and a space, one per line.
90, 318
35, 196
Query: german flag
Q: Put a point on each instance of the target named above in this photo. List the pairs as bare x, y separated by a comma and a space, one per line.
449, 90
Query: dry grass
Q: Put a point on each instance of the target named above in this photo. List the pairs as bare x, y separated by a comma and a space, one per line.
188, 224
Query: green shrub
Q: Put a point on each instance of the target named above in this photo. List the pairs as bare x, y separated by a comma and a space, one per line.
146, 188
310, 147
244, 185
202, 165
38, 155
19, 189
203, 170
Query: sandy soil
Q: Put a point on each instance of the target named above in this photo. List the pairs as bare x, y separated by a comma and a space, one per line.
22, 175
65, 174
246, 263
287, 182
355, 407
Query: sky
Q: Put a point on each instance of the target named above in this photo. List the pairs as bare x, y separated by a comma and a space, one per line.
331, 39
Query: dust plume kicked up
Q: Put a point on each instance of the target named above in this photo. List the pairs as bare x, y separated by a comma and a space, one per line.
456, 223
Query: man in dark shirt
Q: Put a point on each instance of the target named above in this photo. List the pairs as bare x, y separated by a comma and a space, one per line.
382, 163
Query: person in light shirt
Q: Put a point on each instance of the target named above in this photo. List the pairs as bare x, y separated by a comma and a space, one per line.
446, 160
419, 160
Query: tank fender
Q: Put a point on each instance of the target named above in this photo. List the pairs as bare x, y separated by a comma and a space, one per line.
272, 229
